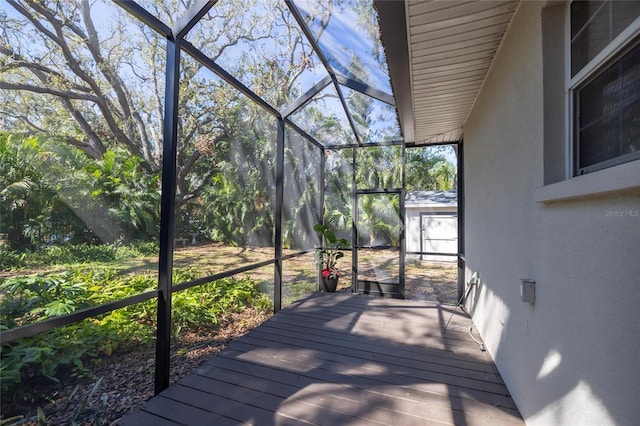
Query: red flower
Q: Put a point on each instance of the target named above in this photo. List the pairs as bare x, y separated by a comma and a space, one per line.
331, 273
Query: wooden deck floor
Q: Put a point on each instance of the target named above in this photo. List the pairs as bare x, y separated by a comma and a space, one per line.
337, 359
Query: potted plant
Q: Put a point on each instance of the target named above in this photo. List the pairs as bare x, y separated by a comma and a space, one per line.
327, 257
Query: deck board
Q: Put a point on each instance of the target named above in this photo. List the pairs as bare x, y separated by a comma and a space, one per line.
365, 348
343, 359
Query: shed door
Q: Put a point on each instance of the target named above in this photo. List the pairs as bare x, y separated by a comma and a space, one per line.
439, 233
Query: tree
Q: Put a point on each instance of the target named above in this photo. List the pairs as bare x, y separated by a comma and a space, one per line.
91, 76
51, 193
97, 84
19, 183
338, 185
302, 203
379, 219
31, 212
123, 196
427, 169
378, 214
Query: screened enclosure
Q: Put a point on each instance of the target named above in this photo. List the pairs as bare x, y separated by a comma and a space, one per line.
177, 127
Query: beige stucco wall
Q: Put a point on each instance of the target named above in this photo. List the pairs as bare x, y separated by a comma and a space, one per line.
572, 358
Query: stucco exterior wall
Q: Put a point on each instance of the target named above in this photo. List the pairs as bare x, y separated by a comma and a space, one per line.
572, 357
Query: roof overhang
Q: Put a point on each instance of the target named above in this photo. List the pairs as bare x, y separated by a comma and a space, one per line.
393, 32
439, 54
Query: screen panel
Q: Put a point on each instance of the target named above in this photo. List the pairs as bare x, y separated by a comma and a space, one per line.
226, 180
261, 44
302, 207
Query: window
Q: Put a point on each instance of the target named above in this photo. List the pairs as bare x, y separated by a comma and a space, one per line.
604, 83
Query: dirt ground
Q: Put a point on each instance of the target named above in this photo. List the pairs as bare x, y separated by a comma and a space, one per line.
124, 381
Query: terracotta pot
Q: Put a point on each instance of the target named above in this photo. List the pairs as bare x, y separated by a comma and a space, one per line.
329, 284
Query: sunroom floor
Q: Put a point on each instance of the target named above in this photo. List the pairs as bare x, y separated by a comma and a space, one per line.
343, 359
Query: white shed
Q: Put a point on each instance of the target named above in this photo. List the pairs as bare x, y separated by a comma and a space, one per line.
432, 224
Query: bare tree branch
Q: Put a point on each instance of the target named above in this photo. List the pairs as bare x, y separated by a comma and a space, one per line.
103, 103
25, 120
49, 90
97, 148
112, 77
19, 61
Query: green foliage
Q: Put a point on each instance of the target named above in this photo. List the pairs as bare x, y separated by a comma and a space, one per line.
238, 201
337, 196
328, 256
379, 219
129, 195
31, 299
10, 259
76, 254
228, 207
51, 195
302, 206
114, 192
92, 173
379, 167
203, 305
72, 348
428, 170
25, 193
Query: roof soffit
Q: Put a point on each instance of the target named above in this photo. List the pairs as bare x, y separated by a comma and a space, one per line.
450, 48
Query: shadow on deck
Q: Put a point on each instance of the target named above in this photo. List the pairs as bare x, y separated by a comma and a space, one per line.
343, 359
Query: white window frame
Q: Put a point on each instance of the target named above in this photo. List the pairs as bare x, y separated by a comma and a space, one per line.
617, 45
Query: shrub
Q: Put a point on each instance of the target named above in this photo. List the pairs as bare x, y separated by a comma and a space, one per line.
10, 260
74, 254
69, 349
